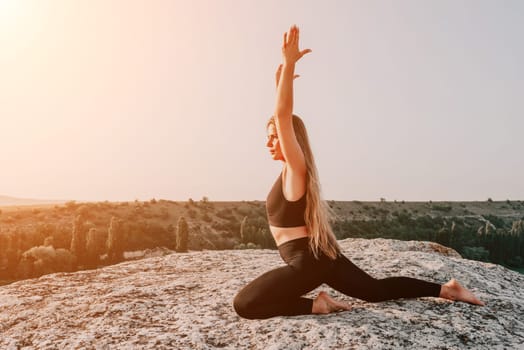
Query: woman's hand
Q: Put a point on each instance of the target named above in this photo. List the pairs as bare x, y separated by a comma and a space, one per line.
290, 52
279, 72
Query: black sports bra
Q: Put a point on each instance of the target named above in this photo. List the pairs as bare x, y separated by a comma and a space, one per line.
284, 213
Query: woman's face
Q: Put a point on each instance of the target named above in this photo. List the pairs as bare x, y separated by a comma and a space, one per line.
273, 144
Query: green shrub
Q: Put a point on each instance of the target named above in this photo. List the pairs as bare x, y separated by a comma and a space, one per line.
225, 213
71, 205
42, 260
444, 208
475, 253
206, 217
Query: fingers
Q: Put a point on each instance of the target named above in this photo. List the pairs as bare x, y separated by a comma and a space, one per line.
293, 33
303, 52
291, 37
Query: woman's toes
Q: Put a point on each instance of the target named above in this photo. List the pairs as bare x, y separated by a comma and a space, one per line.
336, 305
463, 294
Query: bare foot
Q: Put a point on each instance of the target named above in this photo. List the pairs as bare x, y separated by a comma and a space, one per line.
452, 290
324, 304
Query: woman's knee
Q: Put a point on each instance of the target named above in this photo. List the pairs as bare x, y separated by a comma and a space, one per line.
243, 306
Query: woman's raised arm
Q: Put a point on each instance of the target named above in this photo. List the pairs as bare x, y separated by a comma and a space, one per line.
284, 106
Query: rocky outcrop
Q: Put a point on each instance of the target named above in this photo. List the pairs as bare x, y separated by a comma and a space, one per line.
184, 301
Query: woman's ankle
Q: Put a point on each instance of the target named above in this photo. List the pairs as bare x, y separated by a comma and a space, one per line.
444, 292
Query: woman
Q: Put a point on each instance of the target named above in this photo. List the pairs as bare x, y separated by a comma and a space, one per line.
298, 220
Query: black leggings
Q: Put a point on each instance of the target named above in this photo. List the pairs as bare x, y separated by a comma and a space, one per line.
278, 292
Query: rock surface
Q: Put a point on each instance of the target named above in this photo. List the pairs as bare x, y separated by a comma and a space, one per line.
184, 301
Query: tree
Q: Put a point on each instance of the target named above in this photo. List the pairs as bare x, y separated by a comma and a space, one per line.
248, 231
172, 237
95, 246
13, 253
243, 230
115, 240
3, 255
78, 240
181, 235
443, 236
255, 231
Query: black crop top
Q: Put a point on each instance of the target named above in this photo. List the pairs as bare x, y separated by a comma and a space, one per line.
280, 211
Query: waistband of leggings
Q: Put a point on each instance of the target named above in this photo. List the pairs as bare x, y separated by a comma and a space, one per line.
294, 243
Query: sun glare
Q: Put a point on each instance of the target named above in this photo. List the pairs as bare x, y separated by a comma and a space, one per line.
10, 11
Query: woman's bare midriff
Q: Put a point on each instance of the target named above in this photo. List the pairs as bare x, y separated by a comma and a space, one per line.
284, 234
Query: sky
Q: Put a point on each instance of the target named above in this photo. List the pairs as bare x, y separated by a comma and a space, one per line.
122, 100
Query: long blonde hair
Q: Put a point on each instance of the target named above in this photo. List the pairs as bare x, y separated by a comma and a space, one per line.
318, 213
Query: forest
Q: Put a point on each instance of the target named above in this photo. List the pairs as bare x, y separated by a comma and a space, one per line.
41, 240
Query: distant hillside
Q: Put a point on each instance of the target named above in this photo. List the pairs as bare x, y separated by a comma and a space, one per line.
361, 210
489, 231
6, 201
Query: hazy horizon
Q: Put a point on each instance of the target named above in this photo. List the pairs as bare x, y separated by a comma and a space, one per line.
4, 201
126, 100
